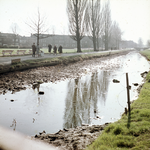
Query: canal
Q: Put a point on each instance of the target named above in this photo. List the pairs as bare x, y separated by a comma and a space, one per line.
91, 99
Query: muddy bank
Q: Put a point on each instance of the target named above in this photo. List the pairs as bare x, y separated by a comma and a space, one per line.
143, 75
73, 138
20, 80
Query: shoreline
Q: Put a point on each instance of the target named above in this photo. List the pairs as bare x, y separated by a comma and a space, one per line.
132, 131
73, 138
79, 137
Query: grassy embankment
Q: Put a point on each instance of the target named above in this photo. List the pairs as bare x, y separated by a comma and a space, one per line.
28, 64
131, 131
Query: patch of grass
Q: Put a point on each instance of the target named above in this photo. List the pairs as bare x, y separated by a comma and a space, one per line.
129, 133
146, 53
124, 142
45, 50
65, 58
118, 130
109, 128
145, 113
14, 52
113, 142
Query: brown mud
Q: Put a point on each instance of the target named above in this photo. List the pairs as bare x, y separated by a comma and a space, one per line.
74, 138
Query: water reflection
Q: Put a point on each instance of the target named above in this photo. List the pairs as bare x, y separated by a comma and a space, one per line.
14, 124
82, 98
36, 86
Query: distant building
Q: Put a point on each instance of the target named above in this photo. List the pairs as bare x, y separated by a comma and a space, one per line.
66, 41
11, 40
128, 44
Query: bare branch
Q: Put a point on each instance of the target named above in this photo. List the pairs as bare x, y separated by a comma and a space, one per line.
116, 34
107, 23
76, 13
38, 26
94, 23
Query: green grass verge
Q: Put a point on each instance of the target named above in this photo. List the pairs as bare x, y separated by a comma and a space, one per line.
131, 131
45, 50
64, 58
146, 53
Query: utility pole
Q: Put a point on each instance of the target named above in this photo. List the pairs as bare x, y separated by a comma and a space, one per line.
128, 93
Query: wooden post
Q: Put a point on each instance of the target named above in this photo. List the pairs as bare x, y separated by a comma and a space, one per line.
128, 93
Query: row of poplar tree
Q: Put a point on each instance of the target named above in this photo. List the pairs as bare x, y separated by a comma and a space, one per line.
86, 18
90, 18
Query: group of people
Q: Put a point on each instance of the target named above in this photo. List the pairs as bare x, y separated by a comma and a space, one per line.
54, 49
37, 50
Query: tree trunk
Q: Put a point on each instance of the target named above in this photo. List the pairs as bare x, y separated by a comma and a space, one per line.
118, 44
106, 42
38, 39
38, 36
97, 43
78, 46
15, 40
93, 26
77, 32
94, 43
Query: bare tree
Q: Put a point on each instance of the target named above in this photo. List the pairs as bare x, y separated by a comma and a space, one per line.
140, 43
15, 30
100, 28
94, 22
76, 13
38, 26
107, 23
116, 34
148, 43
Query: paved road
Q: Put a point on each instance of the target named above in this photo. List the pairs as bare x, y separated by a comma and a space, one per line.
7, 60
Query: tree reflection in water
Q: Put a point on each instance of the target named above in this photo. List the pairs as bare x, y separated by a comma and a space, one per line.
14, 123
37, 86
83, 96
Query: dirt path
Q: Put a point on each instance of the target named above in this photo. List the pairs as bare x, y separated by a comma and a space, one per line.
7, 60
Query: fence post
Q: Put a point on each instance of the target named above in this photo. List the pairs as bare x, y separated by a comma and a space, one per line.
128, 93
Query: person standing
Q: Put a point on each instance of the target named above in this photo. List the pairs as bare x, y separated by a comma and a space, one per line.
55, 50
33, 50
60, 49
49, 48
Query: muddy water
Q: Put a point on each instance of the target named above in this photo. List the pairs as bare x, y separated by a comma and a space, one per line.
91, 99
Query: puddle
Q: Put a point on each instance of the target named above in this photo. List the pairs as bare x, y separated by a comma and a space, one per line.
92, 99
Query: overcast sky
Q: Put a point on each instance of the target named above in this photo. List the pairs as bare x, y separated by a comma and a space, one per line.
133, 16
